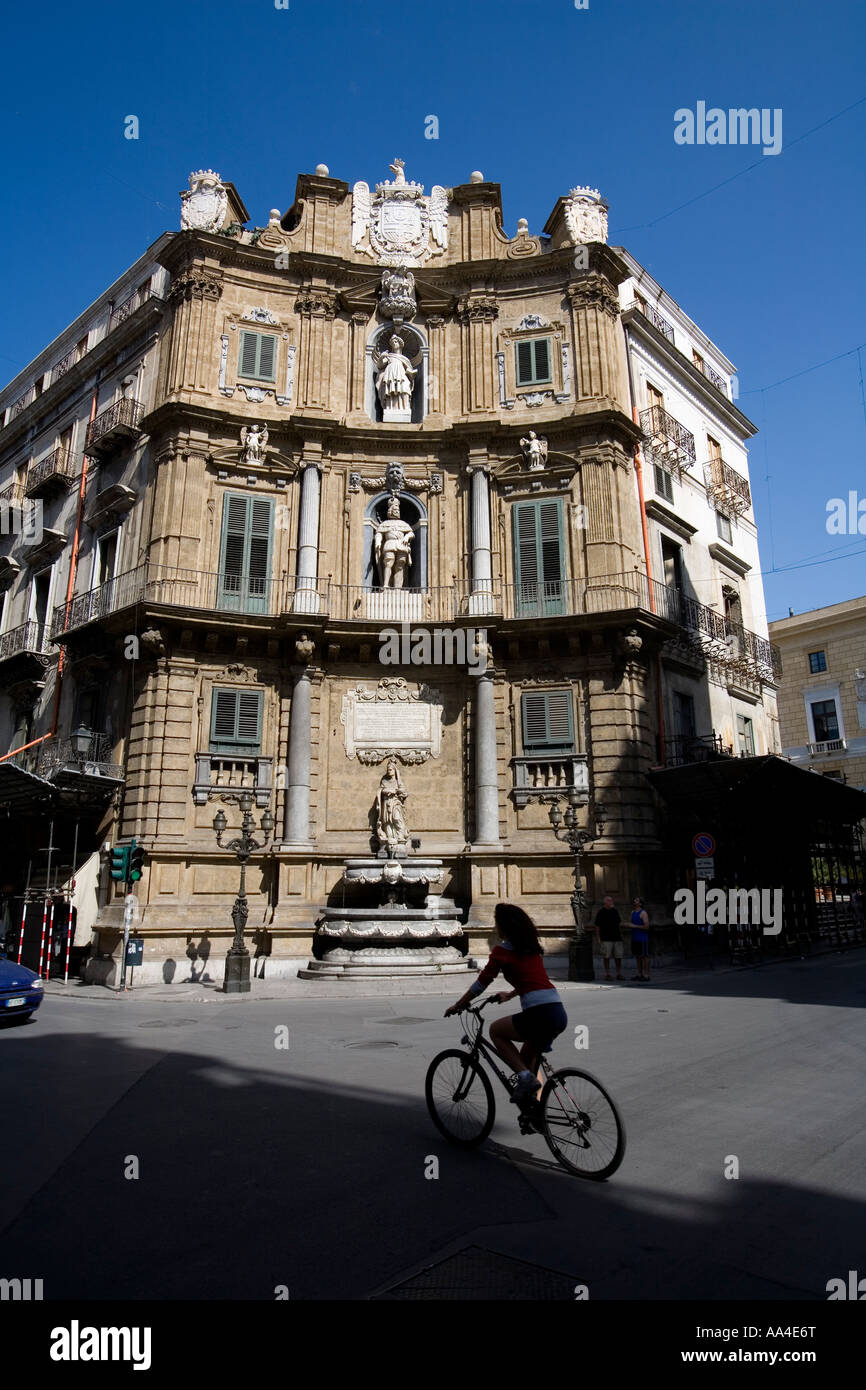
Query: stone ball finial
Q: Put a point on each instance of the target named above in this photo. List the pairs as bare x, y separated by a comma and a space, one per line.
322, 170
522, 224
476, 176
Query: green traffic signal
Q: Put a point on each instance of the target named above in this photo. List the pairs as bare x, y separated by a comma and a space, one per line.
136, 863
120, 863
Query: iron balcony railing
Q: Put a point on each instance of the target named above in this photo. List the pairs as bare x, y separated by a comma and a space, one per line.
713, 377
124, 417
655, 318
666, 440
22, 403
62, 367
681, 749
728, 641
729, 489
58, 466
29, 637
121, 312
95, 761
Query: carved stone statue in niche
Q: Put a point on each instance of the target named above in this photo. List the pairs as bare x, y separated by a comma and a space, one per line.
396, 376
534, 451
391, 829
254, 438
392, 547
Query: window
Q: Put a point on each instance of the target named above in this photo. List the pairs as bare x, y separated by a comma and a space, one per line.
733, 606
684, 715
245, 555
81, 349
88, 710
817, 662
548, 721
655, 397
672, 564
825, 720
236, 721
664, 482
257, 356
745, 736
64, 443
723, 527
698, 360
714, 449
106, 558
538, 558
639, 302
39, 596
835, 774
532, 361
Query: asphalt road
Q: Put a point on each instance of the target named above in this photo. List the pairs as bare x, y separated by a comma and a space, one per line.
261, 1166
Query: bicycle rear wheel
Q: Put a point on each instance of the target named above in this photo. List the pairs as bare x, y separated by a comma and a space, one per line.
460, 1098
581, 1124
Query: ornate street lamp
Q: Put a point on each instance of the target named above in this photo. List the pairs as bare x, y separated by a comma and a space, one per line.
237, 978
79, 740
566, 829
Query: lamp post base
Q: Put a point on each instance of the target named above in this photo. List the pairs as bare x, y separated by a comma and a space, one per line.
580, 962
237, 978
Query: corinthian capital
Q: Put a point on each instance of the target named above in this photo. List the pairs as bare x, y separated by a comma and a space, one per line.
481, 307
594, 291
317, 301
196, 283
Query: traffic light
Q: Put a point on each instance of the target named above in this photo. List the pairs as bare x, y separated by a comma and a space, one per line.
136, 863
120, 863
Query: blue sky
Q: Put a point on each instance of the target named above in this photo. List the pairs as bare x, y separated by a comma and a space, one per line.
538, 95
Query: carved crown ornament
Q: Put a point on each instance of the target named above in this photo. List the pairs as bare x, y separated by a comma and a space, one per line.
205, 203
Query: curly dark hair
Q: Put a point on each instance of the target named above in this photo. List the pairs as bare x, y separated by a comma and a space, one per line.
516, 926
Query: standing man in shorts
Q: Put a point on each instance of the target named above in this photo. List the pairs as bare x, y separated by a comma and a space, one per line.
607, 929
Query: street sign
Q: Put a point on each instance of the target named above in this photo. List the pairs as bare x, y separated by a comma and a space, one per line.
705, 866
703, 845
135, 950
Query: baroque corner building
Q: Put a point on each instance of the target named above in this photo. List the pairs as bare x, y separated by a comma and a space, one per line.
269, 460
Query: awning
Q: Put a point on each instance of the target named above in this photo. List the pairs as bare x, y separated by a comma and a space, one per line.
758, 787
21, 790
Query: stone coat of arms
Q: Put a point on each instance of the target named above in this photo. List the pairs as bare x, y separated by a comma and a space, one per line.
586, 216
398, 225
204, 203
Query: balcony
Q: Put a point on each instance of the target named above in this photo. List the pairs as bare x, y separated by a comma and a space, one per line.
22, 403
29, 637
62, 367
713, 377
25, 655
54, 473
666, 441
65, 760
828, 745
729, 489
109, 429
655, 318
728, 642
121, 312
226, 776
683, 749
546, 777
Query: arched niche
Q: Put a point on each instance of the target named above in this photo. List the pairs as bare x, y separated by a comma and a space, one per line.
416, 348
412, 511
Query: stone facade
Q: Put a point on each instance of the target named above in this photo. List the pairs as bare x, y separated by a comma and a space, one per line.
245, 603
824, 661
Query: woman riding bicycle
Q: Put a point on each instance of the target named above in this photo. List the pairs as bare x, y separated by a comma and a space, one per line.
542, 1017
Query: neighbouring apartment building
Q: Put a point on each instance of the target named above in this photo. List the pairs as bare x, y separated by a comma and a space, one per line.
822, 695
266, 452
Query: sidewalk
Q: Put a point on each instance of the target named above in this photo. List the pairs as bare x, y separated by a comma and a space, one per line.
665, 972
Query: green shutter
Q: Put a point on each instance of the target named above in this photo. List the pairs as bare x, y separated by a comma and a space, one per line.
257, 355
245, 555
542, 359
538, 558
236, 721
548, 721
524, 364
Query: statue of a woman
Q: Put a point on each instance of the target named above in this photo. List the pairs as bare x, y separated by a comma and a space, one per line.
395, 379
391, 829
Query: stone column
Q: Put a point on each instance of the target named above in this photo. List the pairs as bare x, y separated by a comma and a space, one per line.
478, 313
486, 780
194, 292
482, 585
317, 306
595, 313
436, 364
296, 830
358, 361
306, 593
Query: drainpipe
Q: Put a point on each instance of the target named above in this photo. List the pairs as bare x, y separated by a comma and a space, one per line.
73, 567
638, 468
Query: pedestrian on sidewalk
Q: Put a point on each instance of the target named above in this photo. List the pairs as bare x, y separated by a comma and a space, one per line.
608, 929
640, 940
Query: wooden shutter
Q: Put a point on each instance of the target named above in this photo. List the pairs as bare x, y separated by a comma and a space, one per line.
542, 359
259, 545
548, 721
524, 364
526, 566
236, 720
550, 541
538, 557
248, 357
246, 553
267, 356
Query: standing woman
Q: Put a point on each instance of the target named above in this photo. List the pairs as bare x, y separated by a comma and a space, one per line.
640, 940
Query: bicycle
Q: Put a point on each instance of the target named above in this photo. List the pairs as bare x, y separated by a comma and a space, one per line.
578, 1119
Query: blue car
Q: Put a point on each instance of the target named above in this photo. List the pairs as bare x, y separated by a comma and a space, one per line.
21, 990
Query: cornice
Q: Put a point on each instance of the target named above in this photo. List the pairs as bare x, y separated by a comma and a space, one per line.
682, 367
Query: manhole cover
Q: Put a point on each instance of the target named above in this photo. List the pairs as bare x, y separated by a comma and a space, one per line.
385, 1042
168, 1023
476, 1274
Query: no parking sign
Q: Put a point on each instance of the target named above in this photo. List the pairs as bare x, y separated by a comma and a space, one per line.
703, 845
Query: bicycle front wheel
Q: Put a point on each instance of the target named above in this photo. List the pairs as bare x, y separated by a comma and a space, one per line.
460, 1098
581, 1125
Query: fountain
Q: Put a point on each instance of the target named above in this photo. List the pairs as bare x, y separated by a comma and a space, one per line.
408, 930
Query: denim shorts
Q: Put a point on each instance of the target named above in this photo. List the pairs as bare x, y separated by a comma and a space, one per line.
540, 1024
